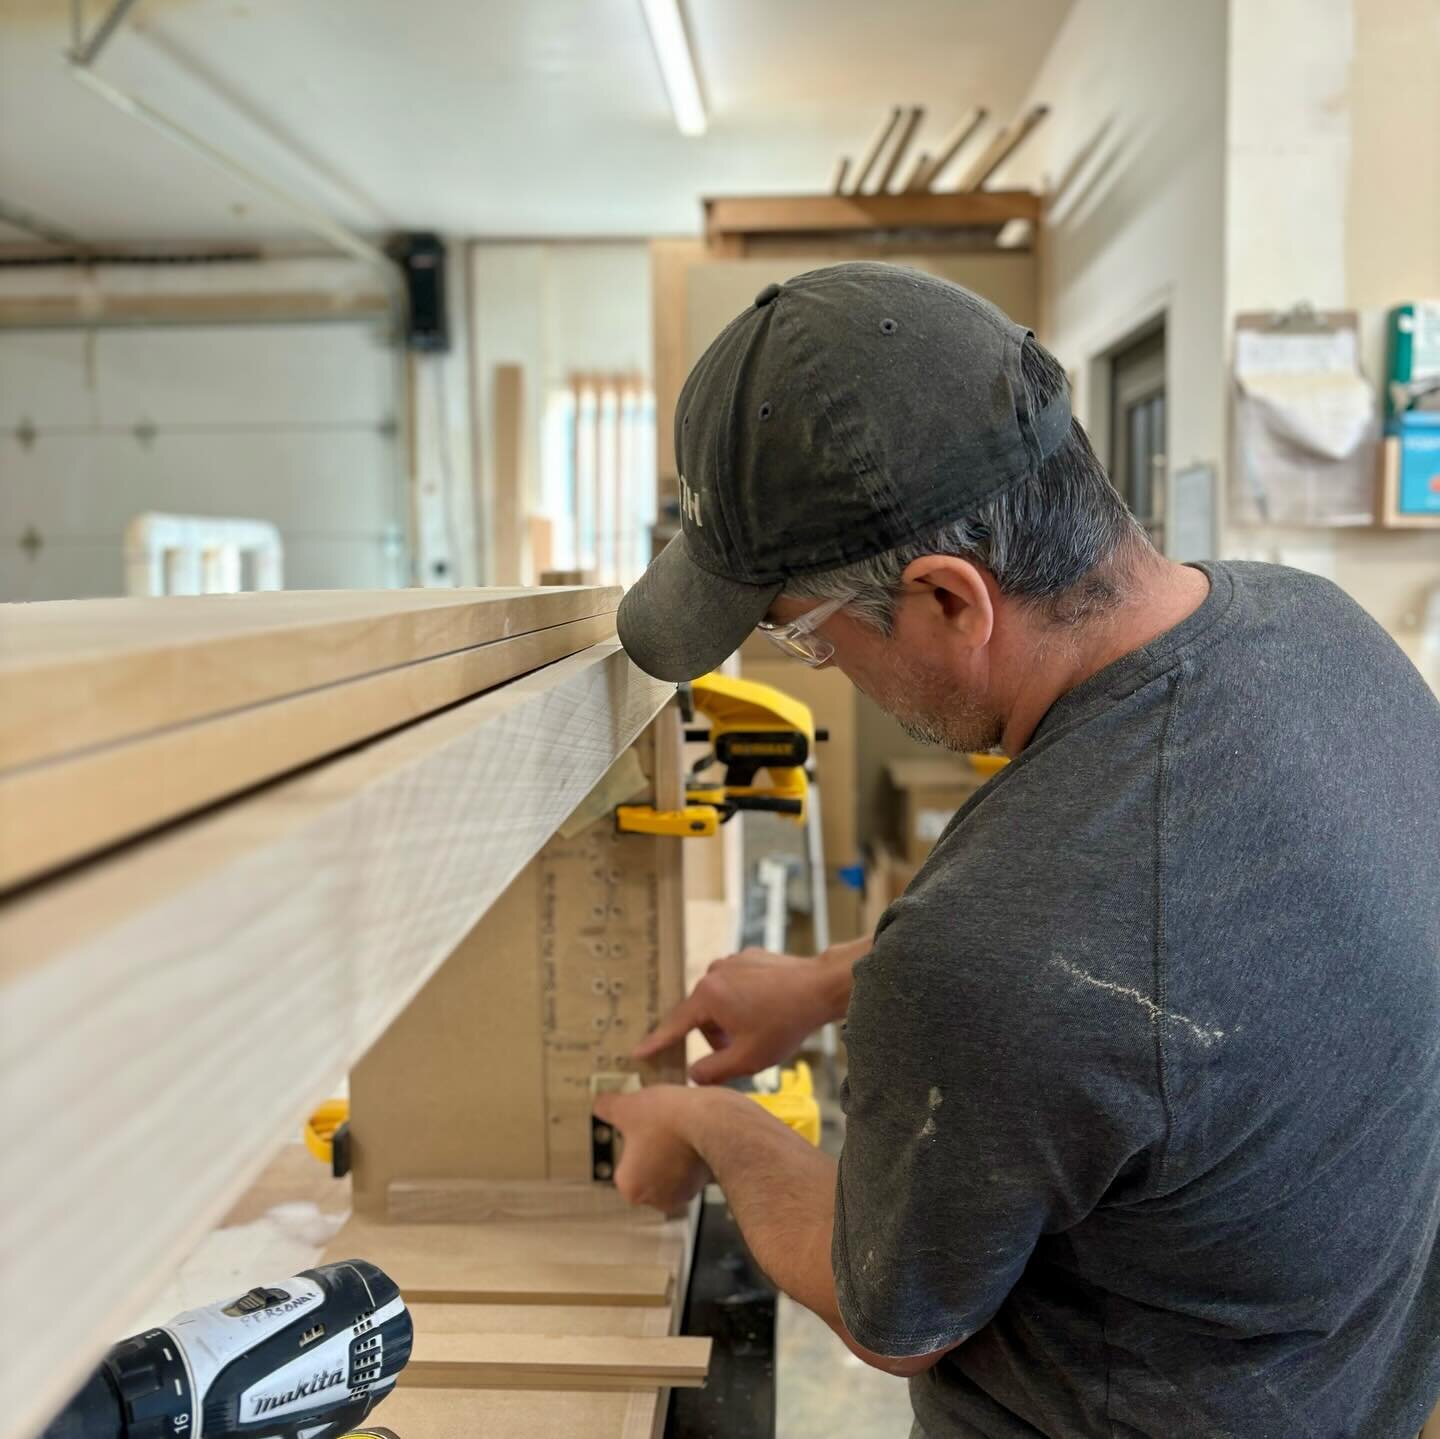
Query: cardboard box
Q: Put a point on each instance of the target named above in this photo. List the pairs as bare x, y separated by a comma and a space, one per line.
929, 791
846, 919
887, 877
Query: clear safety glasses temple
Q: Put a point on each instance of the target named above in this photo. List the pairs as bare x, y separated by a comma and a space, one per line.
798, 639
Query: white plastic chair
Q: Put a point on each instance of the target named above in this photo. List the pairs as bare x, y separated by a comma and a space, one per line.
201, 555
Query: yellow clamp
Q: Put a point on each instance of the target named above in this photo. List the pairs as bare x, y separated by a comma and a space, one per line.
794, 1102
320, 1129
695, 820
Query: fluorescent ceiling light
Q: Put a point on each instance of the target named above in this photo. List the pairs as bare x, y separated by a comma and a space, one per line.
677, 64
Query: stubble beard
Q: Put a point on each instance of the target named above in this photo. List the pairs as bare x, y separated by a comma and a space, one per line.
926, 706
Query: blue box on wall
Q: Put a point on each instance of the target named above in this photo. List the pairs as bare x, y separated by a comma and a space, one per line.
1411, 482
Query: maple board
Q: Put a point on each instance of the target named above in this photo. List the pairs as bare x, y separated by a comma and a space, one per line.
77, 673
53, 813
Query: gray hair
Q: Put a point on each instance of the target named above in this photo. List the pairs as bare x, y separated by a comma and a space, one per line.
1048, 540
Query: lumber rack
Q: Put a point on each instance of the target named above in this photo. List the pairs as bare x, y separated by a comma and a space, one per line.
253, 844
739, 226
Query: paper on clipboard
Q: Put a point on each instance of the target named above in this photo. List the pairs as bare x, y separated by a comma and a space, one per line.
1306, 426
1290, 352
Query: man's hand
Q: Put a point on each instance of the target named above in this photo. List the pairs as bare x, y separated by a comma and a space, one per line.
659, 1165
756, 1009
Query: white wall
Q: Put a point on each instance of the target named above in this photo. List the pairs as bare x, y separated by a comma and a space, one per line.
1131, 160
1226, 155
291, 423
554, 308
1333, 178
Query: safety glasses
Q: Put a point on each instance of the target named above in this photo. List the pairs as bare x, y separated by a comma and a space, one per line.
798, 639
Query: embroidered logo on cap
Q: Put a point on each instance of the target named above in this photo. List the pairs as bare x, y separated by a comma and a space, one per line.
690, 504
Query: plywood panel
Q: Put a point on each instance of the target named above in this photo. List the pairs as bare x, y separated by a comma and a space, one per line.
585, 953
456, 1085
285, 932
95, 671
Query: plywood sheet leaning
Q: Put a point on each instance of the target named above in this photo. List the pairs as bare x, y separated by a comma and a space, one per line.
55, 812
287, 930
558, 981
77, 673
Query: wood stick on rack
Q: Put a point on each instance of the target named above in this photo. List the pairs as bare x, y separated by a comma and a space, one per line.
907, 134
842, 173
872, 154
952, 145
915, 180
509, 476
1002, 147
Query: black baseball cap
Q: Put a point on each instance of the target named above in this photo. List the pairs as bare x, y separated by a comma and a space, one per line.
846, 412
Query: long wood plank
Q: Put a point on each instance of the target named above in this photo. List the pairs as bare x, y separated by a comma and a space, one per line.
76, 673
480, 1201
171, 1011
511, 1263
420, 1413
438, 1279
553, 1361
54, 813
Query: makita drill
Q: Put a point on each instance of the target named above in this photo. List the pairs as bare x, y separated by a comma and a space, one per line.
310, 1356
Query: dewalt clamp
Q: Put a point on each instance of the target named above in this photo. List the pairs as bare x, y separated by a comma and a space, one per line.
753, 727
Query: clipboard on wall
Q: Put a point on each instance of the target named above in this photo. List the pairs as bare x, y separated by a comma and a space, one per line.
1306, 422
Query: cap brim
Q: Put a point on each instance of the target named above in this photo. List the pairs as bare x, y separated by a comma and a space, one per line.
678, 621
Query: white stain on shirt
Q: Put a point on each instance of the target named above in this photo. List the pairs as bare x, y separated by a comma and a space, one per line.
1205, 1036
933, 1102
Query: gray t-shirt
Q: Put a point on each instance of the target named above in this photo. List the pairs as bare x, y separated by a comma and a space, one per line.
1144, 1094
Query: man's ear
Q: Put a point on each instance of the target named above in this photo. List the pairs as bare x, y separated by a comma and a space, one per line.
961, 593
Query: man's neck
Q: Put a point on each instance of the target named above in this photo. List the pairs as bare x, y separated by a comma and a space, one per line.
1159, 595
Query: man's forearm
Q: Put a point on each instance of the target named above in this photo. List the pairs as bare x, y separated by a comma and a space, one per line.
839, 962
782, 1193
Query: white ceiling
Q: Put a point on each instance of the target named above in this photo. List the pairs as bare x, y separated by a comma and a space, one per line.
480, 117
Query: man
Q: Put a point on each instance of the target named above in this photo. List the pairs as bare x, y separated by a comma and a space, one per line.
1143, 1135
